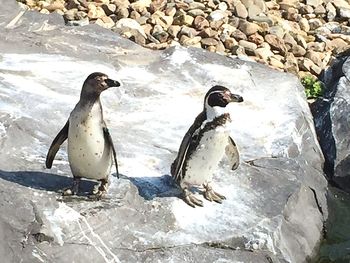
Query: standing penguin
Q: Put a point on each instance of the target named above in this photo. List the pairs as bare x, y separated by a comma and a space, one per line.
204, 145
90, 146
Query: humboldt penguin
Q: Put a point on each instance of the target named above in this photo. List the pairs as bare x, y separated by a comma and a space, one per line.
204, 145
90, 146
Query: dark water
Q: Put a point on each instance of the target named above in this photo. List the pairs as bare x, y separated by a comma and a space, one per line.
336, 247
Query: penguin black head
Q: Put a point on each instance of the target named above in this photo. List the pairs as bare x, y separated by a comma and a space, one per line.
219, 96
96, 83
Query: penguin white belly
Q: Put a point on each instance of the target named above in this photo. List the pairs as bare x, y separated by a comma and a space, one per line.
89, 155
205, 159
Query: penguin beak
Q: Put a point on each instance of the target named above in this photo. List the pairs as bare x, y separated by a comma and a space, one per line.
112, 83
236, 98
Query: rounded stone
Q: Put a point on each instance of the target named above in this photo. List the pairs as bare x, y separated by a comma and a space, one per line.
241, 11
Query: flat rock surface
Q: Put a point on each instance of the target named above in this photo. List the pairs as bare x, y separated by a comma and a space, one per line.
275, 207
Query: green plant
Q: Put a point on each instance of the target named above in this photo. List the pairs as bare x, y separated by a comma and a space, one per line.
313, 87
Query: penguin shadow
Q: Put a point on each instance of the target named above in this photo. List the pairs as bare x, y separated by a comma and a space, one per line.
153, 187
45, 181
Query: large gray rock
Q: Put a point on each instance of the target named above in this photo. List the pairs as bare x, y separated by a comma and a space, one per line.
332, 122
275, 208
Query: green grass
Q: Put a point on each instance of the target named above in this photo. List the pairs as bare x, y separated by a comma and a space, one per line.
313, 87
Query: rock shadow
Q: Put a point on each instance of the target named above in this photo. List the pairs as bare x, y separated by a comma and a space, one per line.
45, 181
152, 187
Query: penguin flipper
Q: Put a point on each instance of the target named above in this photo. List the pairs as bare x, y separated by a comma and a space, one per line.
232, 153
177, 165
56, 143
109, 140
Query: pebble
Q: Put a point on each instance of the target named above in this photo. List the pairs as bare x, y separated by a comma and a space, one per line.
295, 36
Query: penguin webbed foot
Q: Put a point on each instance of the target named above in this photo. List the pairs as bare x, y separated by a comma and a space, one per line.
211, 195
190, 199
100, 191
74, 189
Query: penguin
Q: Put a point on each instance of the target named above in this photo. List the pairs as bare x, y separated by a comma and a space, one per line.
204, 145
90, 146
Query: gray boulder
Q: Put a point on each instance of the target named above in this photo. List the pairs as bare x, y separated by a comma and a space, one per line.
332, 122
275, 208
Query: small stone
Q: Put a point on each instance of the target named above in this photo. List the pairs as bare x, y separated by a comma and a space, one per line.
223, 7
196, 5
238, 50
170, 11
208, 33
196, 12
217, 15
305, 64
135, 15
274, 62
247, 3
107, 22
140, 6
209, 42
188, 31
344, 12
248, 46
162, 36
200, 23
216, 24
301, 41
188, 20
56, 5
254, 11
256, 39
276, 43
316, 46
233, 21
45, 11
289, 41
186, 41
241, 11
122, 13
298, 51
239, 35
331, 11
71, 14
95, 12
291, 64
173, 30
277, 31
248, 28
338, 45
306, 9
121, 3
147, 28
229, 43
304, 24
320, 10
263, 53
315, 23
157, 5
220, 48
314, 3
315, 57
262, 19
109, 9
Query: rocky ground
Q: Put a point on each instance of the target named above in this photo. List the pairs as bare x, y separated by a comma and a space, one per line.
301, 37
